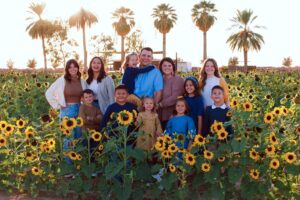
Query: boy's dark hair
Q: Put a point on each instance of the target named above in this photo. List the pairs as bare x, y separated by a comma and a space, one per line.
121, 87
87, 91
217, 87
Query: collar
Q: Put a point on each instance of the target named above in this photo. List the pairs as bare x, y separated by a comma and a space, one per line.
223, 106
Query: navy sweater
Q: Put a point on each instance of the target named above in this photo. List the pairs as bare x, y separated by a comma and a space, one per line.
217, 114
130, 75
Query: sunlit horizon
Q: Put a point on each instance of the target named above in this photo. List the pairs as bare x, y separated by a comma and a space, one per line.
281, 34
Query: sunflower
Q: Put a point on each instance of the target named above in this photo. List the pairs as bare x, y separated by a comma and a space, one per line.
112, 115
290, 157
9, 129
96, 136
125, 118
172, 148
66, 131
167, 139
3, 125
2, 141
221, 159
284, 110
51, 143
233, 103
190, 159
199, 140
253, 154
247, 106
229, 113
69, 123
72, 155
166, 154
134, 113
274, 163
78, 157
277, 111
268, 97
254, 173
270, 150
181, 150
298, 130
29, 132
30, 156
172, 168
269, 118
216, 126
46, 118
205, 167
43, 146
208, 154
79, 121
53, 113
273, 139
36, 171
159, 146
20, 123
222, 135
100, 147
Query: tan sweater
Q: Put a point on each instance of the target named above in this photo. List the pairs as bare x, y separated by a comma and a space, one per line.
91, 116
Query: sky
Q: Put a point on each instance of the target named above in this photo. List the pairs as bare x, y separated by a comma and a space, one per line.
280, 18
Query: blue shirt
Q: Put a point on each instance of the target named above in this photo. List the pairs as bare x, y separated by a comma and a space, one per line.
147, 84
196, 108
183, 125
131, 73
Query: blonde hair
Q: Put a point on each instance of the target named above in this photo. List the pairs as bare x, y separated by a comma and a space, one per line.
143, 101
126, 61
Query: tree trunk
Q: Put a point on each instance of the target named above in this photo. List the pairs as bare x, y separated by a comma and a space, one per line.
164, 45
204, 47
84, 49
245, 58
44, 52
122, 49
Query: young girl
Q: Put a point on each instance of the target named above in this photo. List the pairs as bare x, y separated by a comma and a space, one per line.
181, 124
210, 77
148, 123
130, 73
194, 101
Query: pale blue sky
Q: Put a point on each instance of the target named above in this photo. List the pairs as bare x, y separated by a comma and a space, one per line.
279, 17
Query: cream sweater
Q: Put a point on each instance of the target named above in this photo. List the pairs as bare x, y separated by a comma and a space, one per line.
55, 93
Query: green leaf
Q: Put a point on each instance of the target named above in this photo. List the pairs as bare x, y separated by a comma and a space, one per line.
112, 169
136, 153
168, 180
234, 174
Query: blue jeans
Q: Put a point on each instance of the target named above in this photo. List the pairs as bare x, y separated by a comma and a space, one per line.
70, 111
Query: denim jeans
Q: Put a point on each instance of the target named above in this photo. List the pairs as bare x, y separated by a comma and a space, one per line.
70, 111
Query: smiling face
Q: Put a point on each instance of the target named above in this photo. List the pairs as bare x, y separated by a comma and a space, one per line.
146, 57
88, 98
167, 68
73, 70
133, 61
217, 96
148, 104
189, 87
180, 108
96, 65
121, 96
209, 68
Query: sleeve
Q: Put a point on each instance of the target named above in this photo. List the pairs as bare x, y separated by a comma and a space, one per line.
158, 125
51, 96
81, 114
205, 124
158, 82
169, 128
177, 90
137, 70
200, 106
98, 120
139, 120
105, 118
223, 84
110, 87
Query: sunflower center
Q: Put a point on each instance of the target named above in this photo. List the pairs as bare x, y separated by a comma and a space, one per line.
69, 123
190, 158
290, 157
268, 117
2, 141
8, 128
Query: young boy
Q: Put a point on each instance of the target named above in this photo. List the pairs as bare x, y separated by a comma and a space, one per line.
216, 112
90, 114
109, 119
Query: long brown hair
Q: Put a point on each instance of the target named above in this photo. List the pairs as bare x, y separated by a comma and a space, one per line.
67, 75
203, 75
102, 73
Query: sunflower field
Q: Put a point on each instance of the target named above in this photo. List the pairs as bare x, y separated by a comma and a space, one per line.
261, 161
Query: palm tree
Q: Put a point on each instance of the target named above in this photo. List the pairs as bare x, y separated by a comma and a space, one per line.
165, 18
202, 15
245, 39
123, 24
81, 19
40, 28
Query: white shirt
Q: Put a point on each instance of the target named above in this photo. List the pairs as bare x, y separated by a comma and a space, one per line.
209, 84
223, 106
94, 86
